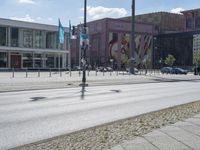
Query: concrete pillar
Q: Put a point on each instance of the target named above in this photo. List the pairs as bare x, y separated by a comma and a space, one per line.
9, 37
33, 60
9, 60
55, 60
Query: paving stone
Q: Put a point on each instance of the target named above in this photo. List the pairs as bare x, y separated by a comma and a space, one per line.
118, 147
194, 129
194, 121
164, 142
197, 116
183, 136
139, 144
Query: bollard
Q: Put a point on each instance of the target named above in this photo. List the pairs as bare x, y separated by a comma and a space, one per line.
96, 73
60, 73
103, 73
88, 72
117, 72
50, 72
110, 73
13, 72
79, 73
70, 73
38, 72
26, 73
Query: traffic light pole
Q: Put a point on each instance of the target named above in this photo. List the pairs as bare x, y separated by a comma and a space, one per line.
84, 44
132, 48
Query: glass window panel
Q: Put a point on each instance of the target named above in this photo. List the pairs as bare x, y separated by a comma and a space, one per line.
38, 60
28, 38
51, 40
50, 61
3, 59
14, 37
38, 39
3, 36
28, 60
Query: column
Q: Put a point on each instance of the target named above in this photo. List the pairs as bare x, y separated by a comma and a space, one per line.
33, 60
9, 61
55, 60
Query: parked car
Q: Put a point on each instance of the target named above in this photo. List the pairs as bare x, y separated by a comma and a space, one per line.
76, 68
135, 70
101, 69
166, 70
110, 69
179, 71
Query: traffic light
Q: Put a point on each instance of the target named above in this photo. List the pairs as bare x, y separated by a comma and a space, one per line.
73, 30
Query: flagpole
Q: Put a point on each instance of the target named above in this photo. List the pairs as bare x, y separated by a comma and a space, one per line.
69, 47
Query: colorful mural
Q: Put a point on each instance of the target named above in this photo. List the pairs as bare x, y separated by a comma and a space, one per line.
119, 47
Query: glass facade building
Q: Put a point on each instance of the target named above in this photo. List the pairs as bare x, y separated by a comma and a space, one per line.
180, 45
31, 45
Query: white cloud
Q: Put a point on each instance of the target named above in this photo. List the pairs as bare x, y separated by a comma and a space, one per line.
177, 10
95, 13
26, 18
26, 1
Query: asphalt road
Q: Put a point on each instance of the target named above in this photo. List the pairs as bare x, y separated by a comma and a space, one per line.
30, 116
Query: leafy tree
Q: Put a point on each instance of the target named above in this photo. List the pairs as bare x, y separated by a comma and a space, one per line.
169, 60
196, 58
147, 64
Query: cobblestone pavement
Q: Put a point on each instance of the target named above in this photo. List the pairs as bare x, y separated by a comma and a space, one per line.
183, 135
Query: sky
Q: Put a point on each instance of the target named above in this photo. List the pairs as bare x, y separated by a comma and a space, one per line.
48, 11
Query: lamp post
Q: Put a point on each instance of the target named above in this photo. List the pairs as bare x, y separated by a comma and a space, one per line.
84, 44
132, 45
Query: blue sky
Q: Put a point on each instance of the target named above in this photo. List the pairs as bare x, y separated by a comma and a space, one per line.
48, 11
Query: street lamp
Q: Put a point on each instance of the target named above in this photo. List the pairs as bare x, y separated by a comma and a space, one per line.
84, 45
132, 45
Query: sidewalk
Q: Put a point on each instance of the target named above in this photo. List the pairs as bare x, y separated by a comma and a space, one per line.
184, 135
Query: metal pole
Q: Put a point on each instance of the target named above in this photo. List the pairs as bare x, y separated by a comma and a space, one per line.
132, 47
84, 43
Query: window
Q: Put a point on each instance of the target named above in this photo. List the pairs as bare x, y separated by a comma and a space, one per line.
38, 39
189, 23
27, 60
198, 22
51, 40
28, 38
3, 60
14, 37
3, 36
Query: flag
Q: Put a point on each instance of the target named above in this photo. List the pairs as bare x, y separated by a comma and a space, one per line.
61, 33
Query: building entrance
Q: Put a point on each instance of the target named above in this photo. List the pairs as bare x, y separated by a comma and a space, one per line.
16, 61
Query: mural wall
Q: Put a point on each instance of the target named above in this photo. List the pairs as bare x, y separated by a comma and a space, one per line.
119, 44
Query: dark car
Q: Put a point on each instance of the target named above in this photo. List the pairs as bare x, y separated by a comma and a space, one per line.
166, 70
179, 71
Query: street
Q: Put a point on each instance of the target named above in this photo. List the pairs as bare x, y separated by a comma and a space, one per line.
30, 116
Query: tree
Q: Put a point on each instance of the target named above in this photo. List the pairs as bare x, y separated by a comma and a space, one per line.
169, 60
196, 58
147, 64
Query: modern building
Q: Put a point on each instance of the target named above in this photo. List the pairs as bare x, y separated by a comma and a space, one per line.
31, 45
109, 41
192, 19
164, 22
182, 45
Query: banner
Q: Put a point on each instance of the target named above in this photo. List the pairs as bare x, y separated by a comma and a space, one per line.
61, 33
